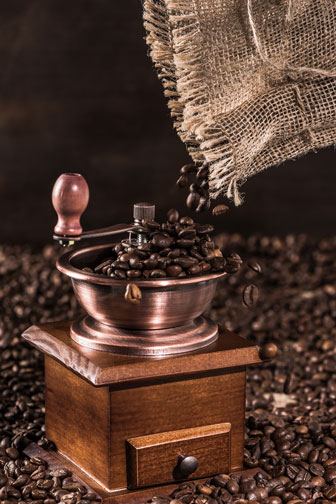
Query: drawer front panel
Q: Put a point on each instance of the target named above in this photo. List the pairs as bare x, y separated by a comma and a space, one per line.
155, 459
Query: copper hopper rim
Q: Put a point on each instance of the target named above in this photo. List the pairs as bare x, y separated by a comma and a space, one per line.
65, 266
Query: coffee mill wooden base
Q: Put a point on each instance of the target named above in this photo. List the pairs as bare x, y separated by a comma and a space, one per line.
123, 423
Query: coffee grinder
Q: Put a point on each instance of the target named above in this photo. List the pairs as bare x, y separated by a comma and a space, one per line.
139, 395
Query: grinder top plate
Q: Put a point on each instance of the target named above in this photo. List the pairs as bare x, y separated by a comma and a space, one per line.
106, 368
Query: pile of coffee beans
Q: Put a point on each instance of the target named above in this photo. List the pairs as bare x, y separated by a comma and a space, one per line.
177, 248
291, 402
198, 198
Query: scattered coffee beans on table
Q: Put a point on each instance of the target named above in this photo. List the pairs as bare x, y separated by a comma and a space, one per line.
177, 248
291, 402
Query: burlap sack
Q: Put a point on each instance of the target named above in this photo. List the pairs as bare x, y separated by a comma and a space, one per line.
250, 83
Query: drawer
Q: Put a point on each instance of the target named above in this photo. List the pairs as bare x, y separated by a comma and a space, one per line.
180, 454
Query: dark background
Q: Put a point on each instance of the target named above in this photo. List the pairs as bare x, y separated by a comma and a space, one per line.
78, 93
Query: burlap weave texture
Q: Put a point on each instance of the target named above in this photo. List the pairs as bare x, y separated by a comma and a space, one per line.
250, 83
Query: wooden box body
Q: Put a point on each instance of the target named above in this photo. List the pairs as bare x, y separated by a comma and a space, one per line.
90, 425
98, 403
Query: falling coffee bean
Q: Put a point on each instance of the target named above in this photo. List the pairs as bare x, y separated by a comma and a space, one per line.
188, 168
133, 293
219, 210
182, 181
193, 200
250, 295
254, 266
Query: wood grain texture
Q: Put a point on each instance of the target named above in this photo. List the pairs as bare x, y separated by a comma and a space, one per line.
102, 368
153, 459
78, 419
181, 404
124, 496
91, 425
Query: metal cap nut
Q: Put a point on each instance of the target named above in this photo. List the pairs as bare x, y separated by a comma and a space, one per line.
143, 211
187, 465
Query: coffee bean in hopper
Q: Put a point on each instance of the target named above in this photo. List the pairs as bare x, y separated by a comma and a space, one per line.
172, 216
177, 242
162, 241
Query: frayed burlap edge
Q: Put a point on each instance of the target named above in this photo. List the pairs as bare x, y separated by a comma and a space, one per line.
172, 28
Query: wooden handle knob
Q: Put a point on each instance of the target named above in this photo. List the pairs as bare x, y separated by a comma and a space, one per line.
70, 197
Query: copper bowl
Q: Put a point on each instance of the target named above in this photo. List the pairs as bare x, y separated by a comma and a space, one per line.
165, 303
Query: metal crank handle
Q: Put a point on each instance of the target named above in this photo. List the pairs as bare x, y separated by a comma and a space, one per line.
70, 196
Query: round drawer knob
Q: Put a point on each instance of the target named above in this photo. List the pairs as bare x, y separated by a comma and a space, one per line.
187, 464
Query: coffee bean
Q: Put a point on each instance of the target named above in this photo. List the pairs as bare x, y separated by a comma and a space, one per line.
162, 241
100, 266
316, 469
234, 258
221, 480
254, 266
330, 493
133, 293
185, 243
37, 493
193, 200
204, 489
13, 453
218, 263
182, 181
135, 263
250, 295
289, 384
123, 265
204, 204
120, 273
203, 172
163, 262
186, 221
205, 266
172, 216
203, 229
273, 500
188, 168
220, 210
188, 232
317, 481
232, 486
173, 271
157, 273
151, 263
150, 224
186, 261
194, 270
328, 441
45, 484
194, 188
330, 474
133, 273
